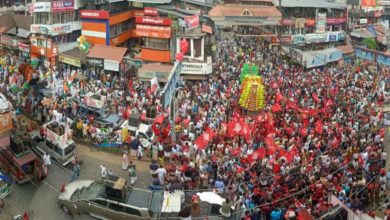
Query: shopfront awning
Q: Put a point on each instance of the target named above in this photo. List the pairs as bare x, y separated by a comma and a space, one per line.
151, 70
107, 52
362, 34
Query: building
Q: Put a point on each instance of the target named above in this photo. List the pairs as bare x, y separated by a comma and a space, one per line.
363, 13
14, 6
55, 28
15, 32
312, 32
110, 24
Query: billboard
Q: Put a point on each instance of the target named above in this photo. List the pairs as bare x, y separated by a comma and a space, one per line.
191, 21
321, 23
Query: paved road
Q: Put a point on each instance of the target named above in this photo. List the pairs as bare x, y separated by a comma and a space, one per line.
41, 199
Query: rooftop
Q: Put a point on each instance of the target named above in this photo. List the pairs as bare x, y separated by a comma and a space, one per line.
233, 10
107, 52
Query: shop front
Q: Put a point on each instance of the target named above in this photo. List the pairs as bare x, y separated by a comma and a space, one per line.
9, 45
72, 59
106, 60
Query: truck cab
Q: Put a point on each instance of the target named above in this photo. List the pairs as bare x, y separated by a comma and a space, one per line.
56, 140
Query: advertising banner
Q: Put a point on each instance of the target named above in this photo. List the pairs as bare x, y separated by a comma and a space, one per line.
149, 11
316, 38
23, 47
321, 23
94, 62
153, 21
56, 29
332, 37
297, 39
153, 31
368, 3
64, 5
383, 59
334, 56
313, 60
191, 21
9, 41
335, 21
310, 22
364, 54
287, 22
69, 60
94, 14
41, 7
111, 65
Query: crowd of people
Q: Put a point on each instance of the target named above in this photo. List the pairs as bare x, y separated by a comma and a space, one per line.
320, 134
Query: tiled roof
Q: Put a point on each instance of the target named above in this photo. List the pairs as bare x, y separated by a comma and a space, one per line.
241, 10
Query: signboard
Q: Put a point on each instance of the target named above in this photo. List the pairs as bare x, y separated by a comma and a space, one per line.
69, 60
133, 62
378, 14
363, 21
9, 41
6, 123
334, 56
56, 29
368, 3
149, 11
297, 39
383, 59
332, 37
24, 47
314, 59
94, 62
153, 31
310, 22
94, 14
169, 88
191, 21
111, 65
64, 5
335, 21
287, 22
153, 21
321, 23
55, 138
196, 68
96, 103
364, 54
316, 38
41, 7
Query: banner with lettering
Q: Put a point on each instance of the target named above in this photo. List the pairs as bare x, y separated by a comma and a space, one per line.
191, 21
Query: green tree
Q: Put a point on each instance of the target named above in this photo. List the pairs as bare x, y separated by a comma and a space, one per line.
370, 43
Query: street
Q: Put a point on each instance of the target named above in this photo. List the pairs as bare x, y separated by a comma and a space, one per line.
41, 200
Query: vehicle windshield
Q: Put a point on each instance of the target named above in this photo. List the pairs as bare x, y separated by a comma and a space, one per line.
149, 133
69, 149
92, 191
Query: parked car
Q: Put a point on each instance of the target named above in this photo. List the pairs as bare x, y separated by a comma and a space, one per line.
101, 116
5, 105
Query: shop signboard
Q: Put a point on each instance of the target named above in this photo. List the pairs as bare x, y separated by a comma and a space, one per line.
149, 11
153, 20
363, 21
153, 31
310, 22
321, 23
334, 56
63, 5
94, 14
56, 29
9, 41
133, 62
316, 59
383, 59
315, 38
332, 36
284, 39
169, 88
111, 65
364, 54
336, 21
95, 62
41, 7
297, 39
23, 47
287, 22
191, 21
341, 36
69, 60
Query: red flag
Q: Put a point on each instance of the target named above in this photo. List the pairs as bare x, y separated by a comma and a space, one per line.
276, 108
246, 131
234, 128
289, 157
279, 97
204, 138
315, 97
303, 131
318, 127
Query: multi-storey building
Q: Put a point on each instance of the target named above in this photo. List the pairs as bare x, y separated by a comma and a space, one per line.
55, 28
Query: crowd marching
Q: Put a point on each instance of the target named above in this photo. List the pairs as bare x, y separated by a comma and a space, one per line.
320, 133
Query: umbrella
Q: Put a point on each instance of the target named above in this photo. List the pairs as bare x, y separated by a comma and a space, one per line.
211, 198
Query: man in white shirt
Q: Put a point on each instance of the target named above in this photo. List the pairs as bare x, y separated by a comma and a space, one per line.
46, 160
103, 171
161, 172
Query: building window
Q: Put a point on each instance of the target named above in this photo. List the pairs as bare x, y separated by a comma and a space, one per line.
156, 43
41, 18
63, 17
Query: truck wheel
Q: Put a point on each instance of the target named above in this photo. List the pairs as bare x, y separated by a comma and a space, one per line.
66, 209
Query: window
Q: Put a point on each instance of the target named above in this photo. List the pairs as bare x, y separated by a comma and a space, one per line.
58, 150
132, 211
41, 18
100, 202
69, 149
116, 207
63, 17
156, 43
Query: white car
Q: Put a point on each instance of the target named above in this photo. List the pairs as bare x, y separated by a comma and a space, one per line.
143, 131
5, 105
